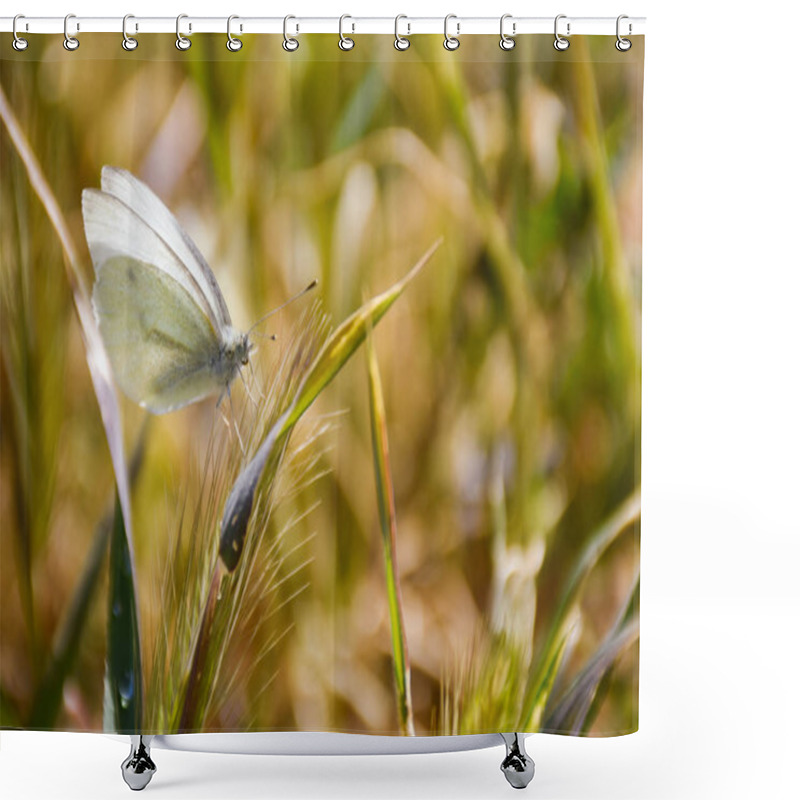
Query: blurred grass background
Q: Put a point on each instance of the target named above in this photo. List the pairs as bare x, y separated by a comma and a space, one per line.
510, 368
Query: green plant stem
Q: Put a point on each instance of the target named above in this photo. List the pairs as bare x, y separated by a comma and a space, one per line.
197, 678
388, 519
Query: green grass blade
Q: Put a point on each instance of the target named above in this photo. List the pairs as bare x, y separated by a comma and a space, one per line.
597, 544
49, 695
48, 701
547, 678
122, 710
346, 340
388, 520
335, 353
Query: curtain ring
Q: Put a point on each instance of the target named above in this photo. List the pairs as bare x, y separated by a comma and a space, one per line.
290, 44
233, 44
507, 42
345, 42
400, 42
560, 42
70, 42
128, 42
19, 43
451, 42
623, 45
181, 42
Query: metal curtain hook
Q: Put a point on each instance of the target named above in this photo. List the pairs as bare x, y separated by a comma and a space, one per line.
233, 44
290, 44
128, 42
623, 45
400, 42
181, 42
451, 42
19, 43
507, 42
560, 43
345, 42
70, 42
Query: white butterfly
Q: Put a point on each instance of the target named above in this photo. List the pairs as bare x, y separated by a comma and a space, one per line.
160, 310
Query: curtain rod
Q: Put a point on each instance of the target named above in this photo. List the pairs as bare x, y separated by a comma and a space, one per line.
406, 26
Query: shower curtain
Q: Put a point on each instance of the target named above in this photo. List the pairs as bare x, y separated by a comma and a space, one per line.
320, 385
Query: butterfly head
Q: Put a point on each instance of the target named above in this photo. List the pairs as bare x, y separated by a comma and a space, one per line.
236, 349
241, 349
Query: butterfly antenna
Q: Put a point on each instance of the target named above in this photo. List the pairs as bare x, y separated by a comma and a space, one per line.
283, 305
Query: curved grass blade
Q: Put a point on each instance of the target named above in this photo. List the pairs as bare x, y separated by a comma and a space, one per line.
598, 543
388, 519
628, 614
123, 585
574, 709
335, 353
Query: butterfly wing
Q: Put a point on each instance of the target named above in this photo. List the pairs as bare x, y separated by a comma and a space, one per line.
113, 229
141, 200
163, 348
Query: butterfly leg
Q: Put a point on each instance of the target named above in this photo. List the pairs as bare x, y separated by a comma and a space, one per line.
248, 392
233, 419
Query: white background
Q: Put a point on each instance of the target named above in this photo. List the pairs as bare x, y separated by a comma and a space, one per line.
720, 701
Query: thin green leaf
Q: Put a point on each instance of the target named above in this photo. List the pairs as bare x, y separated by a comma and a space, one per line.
547, 679
346, 340
123, 680
388, 520
597, 544
335, 353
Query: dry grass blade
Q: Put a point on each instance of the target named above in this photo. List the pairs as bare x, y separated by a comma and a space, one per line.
388, 520
96, 356
100, 370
